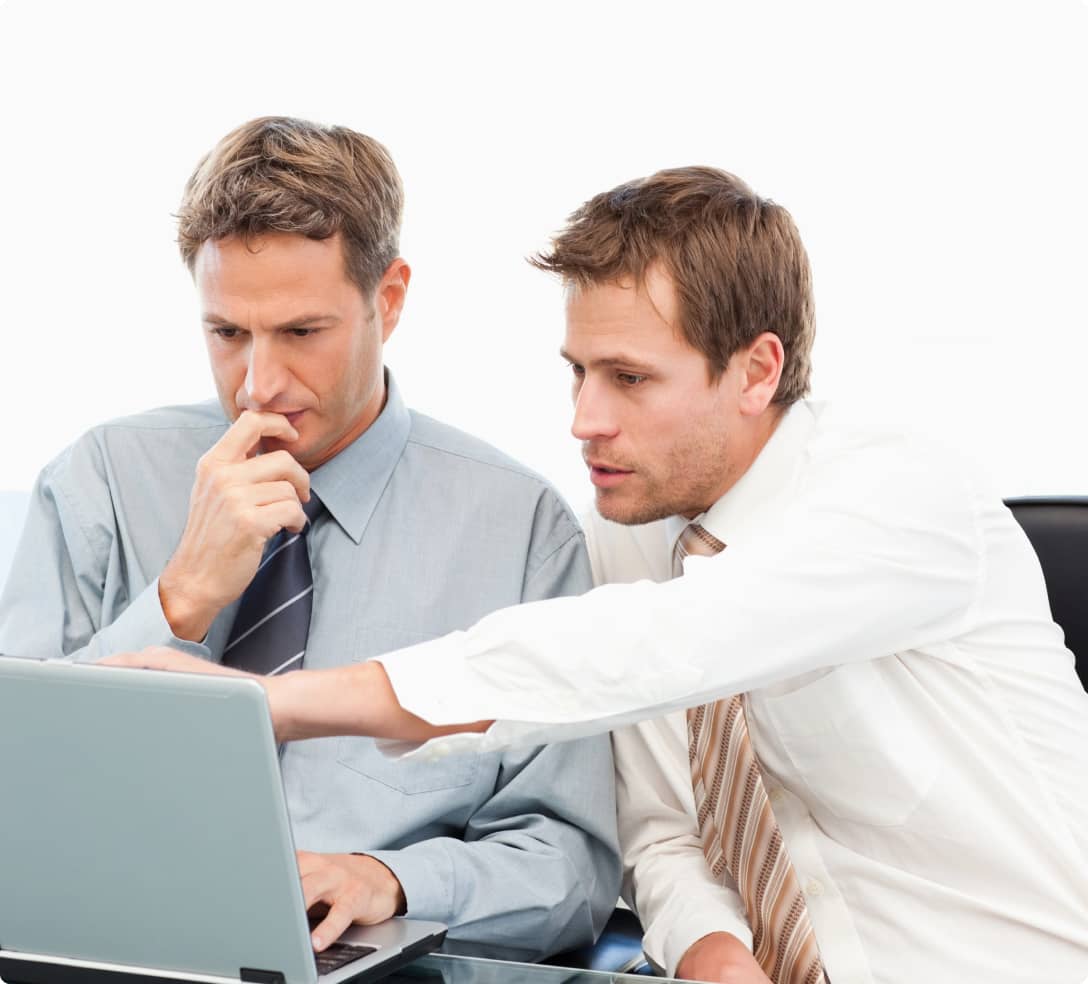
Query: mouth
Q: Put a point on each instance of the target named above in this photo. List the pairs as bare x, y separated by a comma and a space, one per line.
605, 476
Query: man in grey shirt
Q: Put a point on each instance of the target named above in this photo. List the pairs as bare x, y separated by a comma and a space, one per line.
151, 529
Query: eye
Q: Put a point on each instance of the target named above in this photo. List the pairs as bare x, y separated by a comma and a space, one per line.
301, 332
224, 332
629, 378
577, 369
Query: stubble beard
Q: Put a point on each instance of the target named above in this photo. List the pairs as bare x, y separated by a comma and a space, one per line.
691, 482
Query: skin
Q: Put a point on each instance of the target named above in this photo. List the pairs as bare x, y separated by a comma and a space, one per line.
659, 436
720, 957
349, 888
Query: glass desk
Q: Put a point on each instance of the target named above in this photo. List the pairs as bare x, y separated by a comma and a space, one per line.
444, 968
459, 968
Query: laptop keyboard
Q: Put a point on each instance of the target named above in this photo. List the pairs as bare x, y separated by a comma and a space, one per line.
339, 954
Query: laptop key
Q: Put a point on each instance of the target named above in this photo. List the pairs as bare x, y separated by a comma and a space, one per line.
339, 954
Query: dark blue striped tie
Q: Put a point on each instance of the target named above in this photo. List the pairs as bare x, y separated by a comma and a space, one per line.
273, 619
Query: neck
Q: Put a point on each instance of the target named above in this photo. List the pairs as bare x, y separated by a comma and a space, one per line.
743, 453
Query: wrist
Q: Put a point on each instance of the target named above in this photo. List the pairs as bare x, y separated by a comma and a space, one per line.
189, 619
280, 691
391, 888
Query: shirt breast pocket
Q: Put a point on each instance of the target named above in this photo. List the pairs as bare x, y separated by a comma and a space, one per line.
858, 741
409, 776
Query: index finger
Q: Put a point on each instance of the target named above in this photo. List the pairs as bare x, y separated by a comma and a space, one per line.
246, 432
332, 927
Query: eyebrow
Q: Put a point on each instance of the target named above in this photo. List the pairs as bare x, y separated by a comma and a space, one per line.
613, 361
300, 322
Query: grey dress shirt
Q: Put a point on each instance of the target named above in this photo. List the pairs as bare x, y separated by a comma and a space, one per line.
426, 530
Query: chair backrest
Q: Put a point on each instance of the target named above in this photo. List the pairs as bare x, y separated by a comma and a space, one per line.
12, 514
1058, 530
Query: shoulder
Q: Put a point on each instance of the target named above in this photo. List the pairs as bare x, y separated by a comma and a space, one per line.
170, 437
461, 454
461, 449
473, 470
850, 459
885, 489
207, 415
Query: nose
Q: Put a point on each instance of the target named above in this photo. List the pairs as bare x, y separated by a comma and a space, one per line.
266, 376
594, 415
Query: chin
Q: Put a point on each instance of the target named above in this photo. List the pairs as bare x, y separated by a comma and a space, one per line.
630, 513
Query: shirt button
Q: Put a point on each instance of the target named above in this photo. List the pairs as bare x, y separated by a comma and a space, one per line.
813, 887
776, 796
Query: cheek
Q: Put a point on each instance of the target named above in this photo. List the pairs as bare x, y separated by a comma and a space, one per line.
228, 373
347, 375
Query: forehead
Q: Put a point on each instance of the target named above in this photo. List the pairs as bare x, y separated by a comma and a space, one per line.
625, 314
270, 264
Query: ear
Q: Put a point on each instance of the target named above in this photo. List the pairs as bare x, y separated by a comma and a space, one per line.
389, 297
762, 364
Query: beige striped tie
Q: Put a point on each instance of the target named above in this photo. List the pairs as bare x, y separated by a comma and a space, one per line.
739, 832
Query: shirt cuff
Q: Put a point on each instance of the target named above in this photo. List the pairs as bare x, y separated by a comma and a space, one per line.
666, 945
435, 681
142, 624
425, 874
428, 679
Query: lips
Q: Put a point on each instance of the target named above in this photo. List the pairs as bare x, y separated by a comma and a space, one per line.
606, 476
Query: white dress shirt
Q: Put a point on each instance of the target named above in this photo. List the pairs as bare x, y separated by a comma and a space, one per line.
921, 728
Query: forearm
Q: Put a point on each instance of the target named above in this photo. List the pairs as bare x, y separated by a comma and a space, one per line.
678, 904
523, 898
49, 620
537, 865
347, 700
666, 877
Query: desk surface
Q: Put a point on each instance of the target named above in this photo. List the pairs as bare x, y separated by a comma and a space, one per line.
443, 968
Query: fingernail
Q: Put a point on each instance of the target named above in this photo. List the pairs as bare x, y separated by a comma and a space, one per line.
317, 943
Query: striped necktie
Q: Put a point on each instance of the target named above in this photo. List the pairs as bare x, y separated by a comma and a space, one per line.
273, 618
739, 832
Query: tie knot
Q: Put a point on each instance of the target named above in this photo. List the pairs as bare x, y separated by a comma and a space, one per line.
694, 540
313, 507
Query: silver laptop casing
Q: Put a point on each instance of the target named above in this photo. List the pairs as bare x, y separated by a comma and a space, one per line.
143, 828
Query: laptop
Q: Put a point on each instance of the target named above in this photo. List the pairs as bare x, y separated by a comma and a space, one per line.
144, 837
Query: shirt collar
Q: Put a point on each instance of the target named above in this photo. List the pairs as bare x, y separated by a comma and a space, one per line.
766, 478
351, 483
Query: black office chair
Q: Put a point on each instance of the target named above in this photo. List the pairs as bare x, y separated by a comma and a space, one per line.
1058, 530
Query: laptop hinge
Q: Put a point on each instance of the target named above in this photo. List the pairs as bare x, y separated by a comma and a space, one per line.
252, 976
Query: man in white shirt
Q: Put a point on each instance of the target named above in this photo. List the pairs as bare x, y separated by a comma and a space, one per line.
920, 738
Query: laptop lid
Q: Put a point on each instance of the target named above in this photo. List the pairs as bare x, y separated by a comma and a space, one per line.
143, 825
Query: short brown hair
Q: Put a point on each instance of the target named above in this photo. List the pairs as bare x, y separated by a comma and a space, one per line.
736, 259
277, 174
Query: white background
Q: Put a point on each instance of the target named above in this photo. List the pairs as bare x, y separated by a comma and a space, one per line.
933, 155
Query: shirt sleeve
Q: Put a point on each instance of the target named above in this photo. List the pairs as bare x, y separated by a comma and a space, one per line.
665, 875
873, 555
64, 597
537, 870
